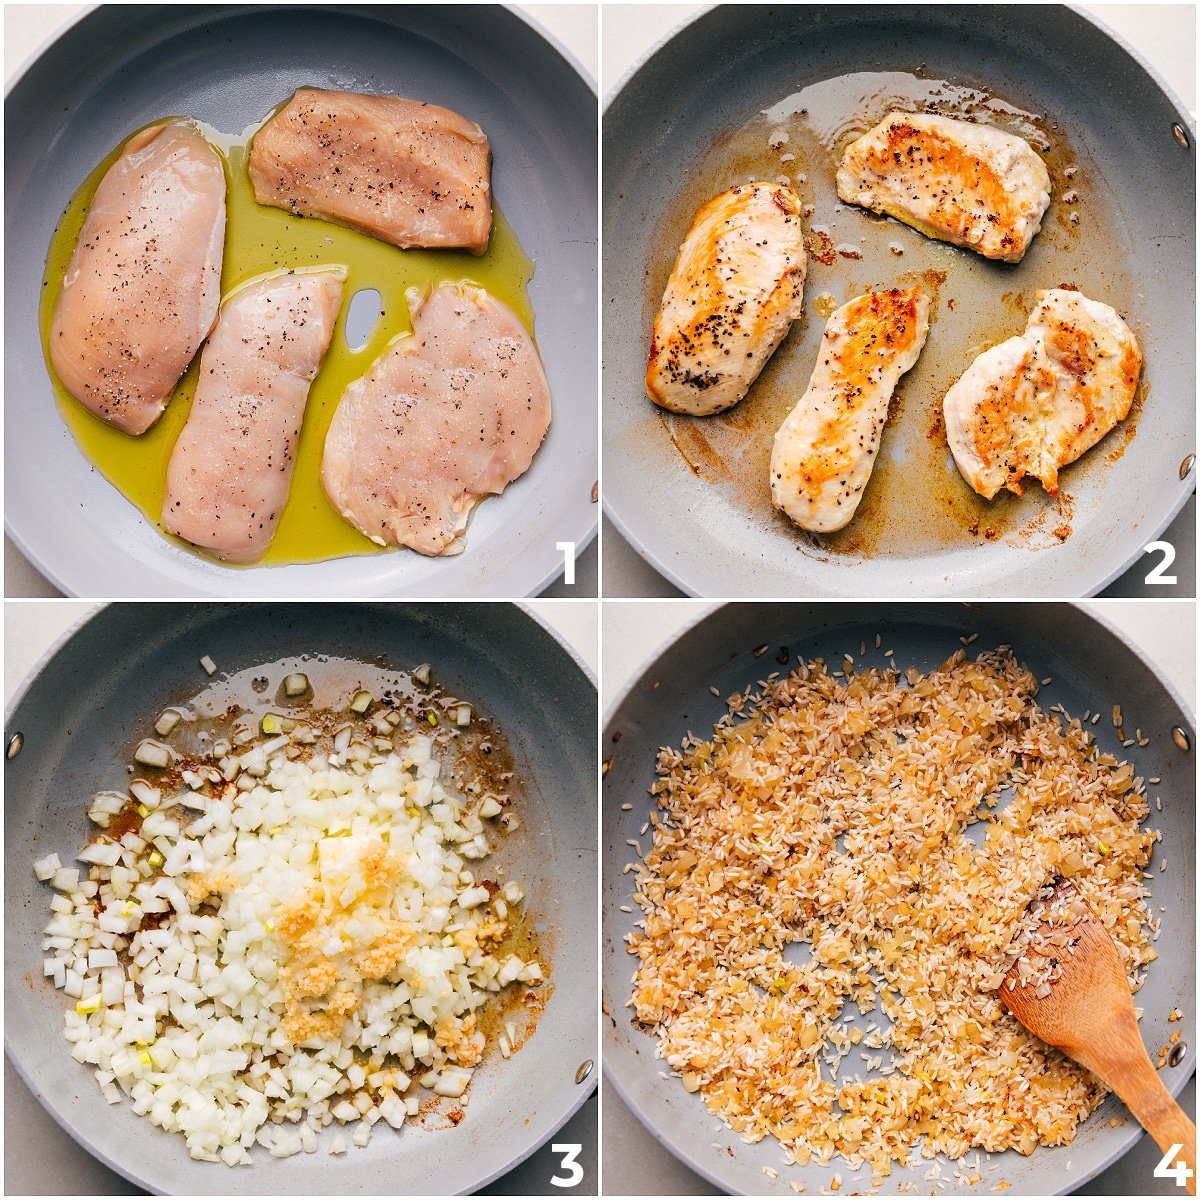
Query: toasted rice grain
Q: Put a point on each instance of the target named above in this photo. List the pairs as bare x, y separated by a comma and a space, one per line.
910, 917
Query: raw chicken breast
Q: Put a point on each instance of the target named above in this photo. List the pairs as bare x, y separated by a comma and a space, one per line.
825, 450
446, 416
737, 286
1037, 402
410, 173
963, 183
231, 468
143, 285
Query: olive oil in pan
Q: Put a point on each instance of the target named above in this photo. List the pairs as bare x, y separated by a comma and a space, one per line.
260, 239
916, 502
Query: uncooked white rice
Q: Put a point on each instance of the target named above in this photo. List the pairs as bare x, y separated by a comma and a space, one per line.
833, 812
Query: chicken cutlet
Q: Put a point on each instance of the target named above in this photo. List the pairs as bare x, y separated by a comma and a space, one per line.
736, 288
1036, 402
406, 172
144, 282
447, 415
953, 180
230, 471
824, 452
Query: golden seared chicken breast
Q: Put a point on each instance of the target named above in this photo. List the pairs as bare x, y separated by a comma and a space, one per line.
825, 450
737, 286
230, 471
960, 182
1037, 402
406, 172
143, 285
447, 415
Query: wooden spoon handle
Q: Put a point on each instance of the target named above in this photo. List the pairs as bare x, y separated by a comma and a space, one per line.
1142, 1090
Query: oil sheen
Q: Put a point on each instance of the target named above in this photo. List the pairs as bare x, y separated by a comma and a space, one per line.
260, 239
916, 504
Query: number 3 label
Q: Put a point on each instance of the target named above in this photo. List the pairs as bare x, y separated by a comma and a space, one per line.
1181, 1172
1168, 553
570, 1152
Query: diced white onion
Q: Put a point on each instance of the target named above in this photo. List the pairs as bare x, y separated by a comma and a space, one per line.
183, 1017
453, 1082
145, 793
153, 754
45, 868
103, 854
167, 722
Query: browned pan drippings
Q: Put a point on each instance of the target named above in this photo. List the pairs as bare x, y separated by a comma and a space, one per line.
916, 503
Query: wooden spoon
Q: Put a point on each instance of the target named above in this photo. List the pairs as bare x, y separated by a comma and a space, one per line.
1088, 1015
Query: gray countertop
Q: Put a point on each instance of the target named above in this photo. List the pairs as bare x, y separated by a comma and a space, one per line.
31, 628
634, 1162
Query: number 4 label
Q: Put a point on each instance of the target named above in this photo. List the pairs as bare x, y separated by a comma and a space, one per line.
1181, 1172
1168, 553
570, 1152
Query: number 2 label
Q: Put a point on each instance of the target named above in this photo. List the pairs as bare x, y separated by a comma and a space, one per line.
1168, 553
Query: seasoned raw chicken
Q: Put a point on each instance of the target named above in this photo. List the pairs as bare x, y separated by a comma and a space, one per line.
824, 451
446, 416
737, 286
1036, 402
231, 468
143, 285
410, 173
963, 183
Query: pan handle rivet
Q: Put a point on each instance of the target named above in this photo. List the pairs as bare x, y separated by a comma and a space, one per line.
1181, 738
1186, 466
14, 745
1176, 1055
585, 1069
1180, 135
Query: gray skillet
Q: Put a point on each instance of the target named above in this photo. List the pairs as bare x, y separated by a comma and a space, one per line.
1091, 667
691, 494
89, 702
121, 66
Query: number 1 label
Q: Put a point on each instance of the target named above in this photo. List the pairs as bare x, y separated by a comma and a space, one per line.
568, 553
